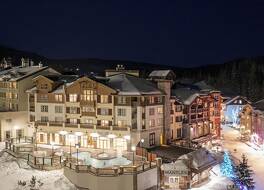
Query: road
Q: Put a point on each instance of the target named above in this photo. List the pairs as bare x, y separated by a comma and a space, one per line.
255, 158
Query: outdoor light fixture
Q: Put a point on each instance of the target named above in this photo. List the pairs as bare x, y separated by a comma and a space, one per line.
63, 132
77, 146
111, 136
78, 133
142, 141
127, 137
94, 135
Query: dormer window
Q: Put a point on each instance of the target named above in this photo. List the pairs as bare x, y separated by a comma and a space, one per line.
44, 86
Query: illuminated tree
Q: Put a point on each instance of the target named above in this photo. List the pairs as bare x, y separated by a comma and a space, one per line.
227, 167
244, 179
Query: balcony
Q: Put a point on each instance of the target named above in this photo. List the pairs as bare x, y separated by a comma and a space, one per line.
86, 126
44, 123
102, 127
71, 125
55, 123
120, 128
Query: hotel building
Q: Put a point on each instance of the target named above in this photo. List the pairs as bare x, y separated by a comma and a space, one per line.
113, 112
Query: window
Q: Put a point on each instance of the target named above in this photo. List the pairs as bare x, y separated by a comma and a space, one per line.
73, 110
171, 120
104, 99
14, 85
178, 108
43, 86
121, 100
240, 101
88, 95
14, 95
152, 122
160, 110
158, 99
43, 97
73, 121
104, 111
44, 119
151, 139
151, 111
88, 121
178, 118
121, 112
44, 108
87, 109
151, 100
58, 97
58, 119
73, 97
58, 109
121, 123
159, 121
104, 122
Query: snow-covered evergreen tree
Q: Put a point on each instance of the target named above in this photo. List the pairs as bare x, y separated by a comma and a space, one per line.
244, 174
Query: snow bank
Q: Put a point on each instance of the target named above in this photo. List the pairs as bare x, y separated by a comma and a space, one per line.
12, 170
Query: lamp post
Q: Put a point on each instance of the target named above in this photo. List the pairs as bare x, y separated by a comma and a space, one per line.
133, 148
142, 141
52, 148
77, 146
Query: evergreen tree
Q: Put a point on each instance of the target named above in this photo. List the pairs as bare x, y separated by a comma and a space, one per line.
244, 174
226, 166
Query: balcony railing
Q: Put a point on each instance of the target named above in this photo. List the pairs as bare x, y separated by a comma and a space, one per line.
72, 125
86, 126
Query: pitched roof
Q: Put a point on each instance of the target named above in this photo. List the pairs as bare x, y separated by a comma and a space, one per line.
203, 86
162, 74
18, 73
127, 84
185, 95
201, 159
259, 105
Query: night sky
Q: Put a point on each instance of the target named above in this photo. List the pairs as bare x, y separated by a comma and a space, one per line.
172, 32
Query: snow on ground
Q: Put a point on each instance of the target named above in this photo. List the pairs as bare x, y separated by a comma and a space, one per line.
216, 181
255, 157
12, 170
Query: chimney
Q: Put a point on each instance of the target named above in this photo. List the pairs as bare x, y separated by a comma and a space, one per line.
40, 64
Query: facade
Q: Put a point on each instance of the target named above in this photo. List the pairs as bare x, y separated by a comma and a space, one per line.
238, 113
113, 112
258, 123
13, 85
195, 112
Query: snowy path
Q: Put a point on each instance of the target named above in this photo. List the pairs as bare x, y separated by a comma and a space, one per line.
12, 170
255, 158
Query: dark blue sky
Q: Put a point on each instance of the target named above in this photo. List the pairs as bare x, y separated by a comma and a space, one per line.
174, 32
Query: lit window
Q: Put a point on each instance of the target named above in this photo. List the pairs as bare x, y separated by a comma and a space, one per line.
58, 97
104, 98
87, 109
73, 97
104, 122
160, 110
73, 121
88, 95
152, 122
121, 123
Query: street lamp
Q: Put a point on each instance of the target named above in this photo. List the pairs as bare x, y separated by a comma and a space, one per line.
52, 148
133, 148
142, 141
77, 146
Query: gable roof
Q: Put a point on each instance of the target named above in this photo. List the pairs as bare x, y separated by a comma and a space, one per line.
163, 74
236, 97
203, 86
127, 84
185, 95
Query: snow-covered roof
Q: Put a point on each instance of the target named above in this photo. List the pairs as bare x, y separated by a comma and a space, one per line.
185, 95
259, 105
127, 84
203, 86
18, 73
201, 159
162, 74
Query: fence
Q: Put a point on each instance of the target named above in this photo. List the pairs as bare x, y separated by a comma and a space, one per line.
114, 171
41, 162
